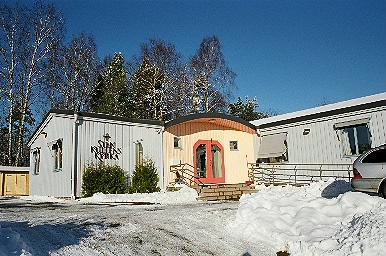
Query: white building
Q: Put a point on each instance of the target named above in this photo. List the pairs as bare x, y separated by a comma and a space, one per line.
331, 134
66, 142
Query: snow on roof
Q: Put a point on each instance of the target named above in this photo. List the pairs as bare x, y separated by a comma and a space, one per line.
322, 109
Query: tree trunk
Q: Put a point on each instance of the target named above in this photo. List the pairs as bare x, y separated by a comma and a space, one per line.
206, 101
10, 119
24, 108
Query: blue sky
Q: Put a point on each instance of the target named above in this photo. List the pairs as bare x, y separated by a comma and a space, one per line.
291, 55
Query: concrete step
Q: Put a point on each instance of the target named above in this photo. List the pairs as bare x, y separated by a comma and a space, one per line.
217, 192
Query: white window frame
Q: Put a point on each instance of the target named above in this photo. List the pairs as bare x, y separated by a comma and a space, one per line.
139, 154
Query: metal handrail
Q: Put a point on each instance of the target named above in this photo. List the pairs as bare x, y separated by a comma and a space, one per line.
298, 173
186, 170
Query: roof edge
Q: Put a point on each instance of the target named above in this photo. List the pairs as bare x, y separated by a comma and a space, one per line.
92, 115
358, 104
192, 117
108, 117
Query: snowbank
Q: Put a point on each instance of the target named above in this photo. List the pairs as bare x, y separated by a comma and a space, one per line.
182, 196
311, 221
43, 199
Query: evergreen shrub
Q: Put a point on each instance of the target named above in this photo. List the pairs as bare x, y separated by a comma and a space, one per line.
103, 178
145, 178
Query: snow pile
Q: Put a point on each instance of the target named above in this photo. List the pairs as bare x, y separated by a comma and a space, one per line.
11, 243
182, 196
311, 221
43, 199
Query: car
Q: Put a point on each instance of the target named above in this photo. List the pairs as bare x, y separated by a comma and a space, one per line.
370, 171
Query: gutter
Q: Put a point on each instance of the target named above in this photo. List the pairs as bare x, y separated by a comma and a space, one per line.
74, 178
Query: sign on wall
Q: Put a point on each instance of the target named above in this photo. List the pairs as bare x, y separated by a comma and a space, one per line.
106, 149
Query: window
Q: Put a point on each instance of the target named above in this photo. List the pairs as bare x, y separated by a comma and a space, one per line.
57, 149
138, 154
234, 145
355, 139
36, 160
378, 156
177, 142
273, 148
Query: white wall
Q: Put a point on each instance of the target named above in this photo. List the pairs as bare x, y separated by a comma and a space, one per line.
48, 181
321, 145
89, 131
125, 135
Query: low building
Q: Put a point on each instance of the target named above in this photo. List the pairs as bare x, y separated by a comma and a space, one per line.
215, 148
335, 133
212, 148
203, 149
66, 143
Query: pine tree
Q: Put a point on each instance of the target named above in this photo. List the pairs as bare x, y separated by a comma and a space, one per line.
159, 82
111, 94
246, 110
146, 92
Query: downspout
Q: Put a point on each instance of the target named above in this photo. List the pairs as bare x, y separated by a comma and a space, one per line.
74, 177
162, 130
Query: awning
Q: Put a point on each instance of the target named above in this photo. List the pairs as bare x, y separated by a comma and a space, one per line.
351, 123
272, 145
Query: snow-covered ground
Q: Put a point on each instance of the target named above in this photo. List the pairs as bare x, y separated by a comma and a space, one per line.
325, 218
74, 228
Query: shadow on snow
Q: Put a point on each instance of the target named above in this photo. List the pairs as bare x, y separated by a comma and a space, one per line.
336, 188
19, 237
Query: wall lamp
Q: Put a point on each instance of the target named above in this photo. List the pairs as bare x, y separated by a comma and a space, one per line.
306, 131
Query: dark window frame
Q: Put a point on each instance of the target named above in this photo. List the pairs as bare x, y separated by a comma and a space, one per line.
57, 148
177, 143
36, 160
357, 150
231, 145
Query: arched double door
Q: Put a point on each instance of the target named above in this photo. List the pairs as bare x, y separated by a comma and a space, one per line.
209, 161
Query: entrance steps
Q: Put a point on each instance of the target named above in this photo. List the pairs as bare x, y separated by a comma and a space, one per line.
216, 192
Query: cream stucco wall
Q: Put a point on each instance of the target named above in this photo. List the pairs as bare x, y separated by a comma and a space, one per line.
235, 161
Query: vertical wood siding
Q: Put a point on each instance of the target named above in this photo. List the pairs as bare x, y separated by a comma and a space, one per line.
90, 130
125, 135
48, 181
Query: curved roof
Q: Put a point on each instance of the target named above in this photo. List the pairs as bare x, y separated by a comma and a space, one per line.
207, 117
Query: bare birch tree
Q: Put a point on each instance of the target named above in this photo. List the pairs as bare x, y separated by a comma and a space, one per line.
10, 37
212, 79
43, 30
73, 73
